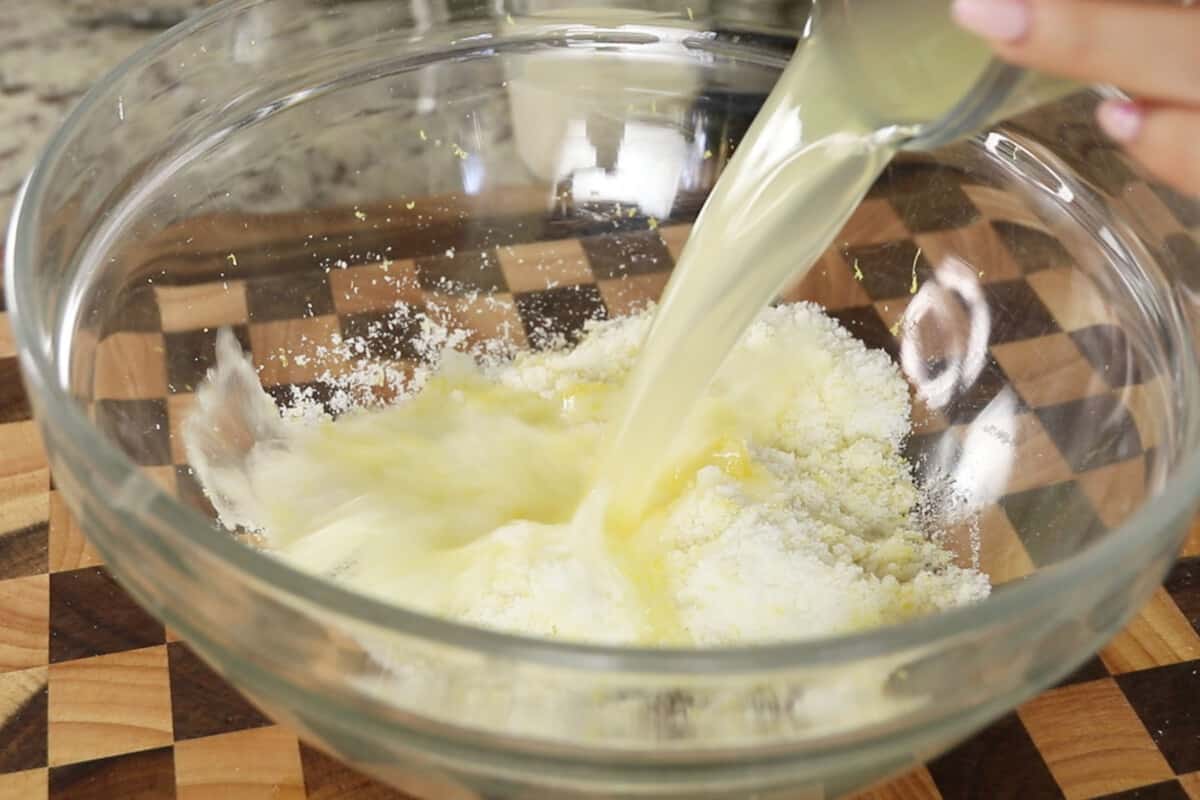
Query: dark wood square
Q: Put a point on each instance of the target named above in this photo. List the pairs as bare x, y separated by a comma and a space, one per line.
287, 395
148, 775
386, 334
1092, 670
1017, 312
1165, 700
1183, 584
134, 309
887, 268
1105, 164
1108, 351
1052, 521
1033, 250
614, 255
865, 324
90, 615
190, 354
14, 403
190, 492
295, 295
25, 551
138, 427
1185, 209
1183, 249
927, 197
463, 272
580, 222
202, 703
989, 384
1092, 432
326, 778
1000, 763
932, 454
562, 312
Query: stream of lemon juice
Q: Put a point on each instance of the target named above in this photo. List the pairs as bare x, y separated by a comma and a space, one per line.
823, 136
851, 95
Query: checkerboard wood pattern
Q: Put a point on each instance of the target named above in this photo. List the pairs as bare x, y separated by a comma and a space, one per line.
98, 700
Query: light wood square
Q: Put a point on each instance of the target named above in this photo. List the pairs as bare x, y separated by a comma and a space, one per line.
484, 318
69, 548
875, 221
1117, 490
1145, 403
1191, 545
375, 287
632, 293
164, 476
1064, 723
1002, 554
261, 764
1049, 370
1159, 635
1038, 460
1191, 785
1003, 206
1150, 210
24, 499
108, 705
289, 351
915, 785
8, 344
21, 446
544, 265
179, 406
32, 784
830, 283
130, 366
1071, 297
205, 305
24, 622
975, 245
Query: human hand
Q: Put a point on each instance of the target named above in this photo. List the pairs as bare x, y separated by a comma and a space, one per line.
1150, 51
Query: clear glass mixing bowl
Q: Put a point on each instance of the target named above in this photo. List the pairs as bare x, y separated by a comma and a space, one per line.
253, 167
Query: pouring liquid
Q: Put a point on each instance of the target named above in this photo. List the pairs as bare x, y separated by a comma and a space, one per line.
849, 98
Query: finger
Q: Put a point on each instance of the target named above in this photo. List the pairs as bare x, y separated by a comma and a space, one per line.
1149, 50
1164, 139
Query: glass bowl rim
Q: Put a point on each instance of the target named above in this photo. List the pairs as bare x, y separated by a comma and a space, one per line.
38, 367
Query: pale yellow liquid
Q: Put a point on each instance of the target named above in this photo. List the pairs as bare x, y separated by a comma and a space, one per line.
852, 93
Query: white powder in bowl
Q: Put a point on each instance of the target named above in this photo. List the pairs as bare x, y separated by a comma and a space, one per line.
788, 511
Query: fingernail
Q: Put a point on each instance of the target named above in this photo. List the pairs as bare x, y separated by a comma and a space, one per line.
1120, 119
999, 20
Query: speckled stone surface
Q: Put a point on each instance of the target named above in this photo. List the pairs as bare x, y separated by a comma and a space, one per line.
50, 53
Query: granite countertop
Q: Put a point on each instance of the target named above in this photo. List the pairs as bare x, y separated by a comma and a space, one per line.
50, 53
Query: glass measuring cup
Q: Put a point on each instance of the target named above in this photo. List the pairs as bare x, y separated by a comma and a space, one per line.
914, 68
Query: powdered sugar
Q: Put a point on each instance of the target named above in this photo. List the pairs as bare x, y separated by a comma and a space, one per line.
792, 512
